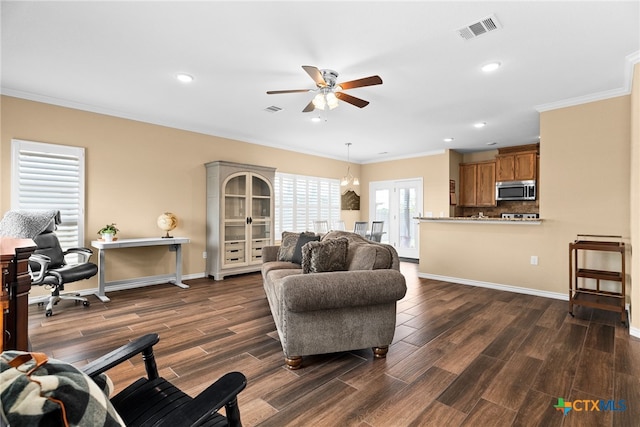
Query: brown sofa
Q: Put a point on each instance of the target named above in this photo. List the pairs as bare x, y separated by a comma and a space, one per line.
319, 311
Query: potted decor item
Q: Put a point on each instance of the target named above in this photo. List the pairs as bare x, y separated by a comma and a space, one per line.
108, 232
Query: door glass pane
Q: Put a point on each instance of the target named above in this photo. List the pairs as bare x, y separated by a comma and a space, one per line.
234, 207
407, 211
234, 231
260, 230
236, 186
260, 187
383, 199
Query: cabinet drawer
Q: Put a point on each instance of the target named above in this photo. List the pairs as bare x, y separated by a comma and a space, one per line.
233, 256
233, 245
256, 252
259, 244
234, 252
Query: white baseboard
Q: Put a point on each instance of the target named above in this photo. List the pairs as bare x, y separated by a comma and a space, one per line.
635, 332
122, 285
498, 286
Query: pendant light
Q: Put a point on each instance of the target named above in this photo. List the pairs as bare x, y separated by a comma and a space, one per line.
349, 178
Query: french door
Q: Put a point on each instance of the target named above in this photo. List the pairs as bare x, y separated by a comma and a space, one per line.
397, 203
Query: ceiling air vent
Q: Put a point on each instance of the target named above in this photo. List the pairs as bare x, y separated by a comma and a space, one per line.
273, 109
476, 29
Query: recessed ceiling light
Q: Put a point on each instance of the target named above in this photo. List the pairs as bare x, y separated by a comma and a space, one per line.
184, 77
491, 143
316, 119
492, 66
448, 139
480, 125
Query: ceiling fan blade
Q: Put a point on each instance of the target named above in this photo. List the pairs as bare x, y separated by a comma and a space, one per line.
309, 108
360, 103
274, 92
315, 74
366, 81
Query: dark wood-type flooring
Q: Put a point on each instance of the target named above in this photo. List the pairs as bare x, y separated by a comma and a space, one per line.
461, 355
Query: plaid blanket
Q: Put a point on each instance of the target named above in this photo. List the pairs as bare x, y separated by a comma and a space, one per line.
38, 391
27, 224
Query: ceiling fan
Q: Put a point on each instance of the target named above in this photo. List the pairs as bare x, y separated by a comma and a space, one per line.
328, 92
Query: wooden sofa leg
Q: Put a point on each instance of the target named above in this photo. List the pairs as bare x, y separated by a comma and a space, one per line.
380, 352
293, 362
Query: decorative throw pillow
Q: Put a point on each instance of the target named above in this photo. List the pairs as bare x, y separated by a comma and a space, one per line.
328, 255
291, 245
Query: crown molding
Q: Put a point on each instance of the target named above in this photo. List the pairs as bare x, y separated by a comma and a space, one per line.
630, 61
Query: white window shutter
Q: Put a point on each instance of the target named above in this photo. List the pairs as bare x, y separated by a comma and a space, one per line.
301, 200
50, 176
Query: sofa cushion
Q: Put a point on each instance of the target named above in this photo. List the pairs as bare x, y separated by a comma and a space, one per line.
278, 265
327, 255
369, 257
291, 245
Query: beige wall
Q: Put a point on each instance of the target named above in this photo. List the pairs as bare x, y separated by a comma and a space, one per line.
584, 154
635, 199
434, 170
135, 171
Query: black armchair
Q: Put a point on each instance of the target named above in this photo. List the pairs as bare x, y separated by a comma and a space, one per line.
49, 268
154, 401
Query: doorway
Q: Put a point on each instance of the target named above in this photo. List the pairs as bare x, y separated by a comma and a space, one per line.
397, 203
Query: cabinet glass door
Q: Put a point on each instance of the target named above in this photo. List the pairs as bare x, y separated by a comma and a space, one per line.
235, 221
261, 202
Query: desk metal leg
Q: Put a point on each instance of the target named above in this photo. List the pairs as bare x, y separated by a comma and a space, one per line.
101, 282
178, 281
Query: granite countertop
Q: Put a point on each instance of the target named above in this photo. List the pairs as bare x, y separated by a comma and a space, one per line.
484, 219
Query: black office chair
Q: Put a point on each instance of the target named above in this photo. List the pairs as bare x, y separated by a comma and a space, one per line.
49, 268
154, 401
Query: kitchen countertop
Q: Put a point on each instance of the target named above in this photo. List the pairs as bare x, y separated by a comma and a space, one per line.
483, 220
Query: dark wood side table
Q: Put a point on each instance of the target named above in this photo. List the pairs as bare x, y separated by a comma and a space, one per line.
14, 293
595, 296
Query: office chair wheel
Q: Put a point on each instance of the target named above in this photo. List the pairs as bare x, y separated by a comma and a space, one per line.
48, 313
85, 303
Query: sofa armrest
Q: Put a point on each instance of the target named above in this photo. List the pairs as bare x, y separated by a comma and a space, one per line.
337, 289
270, 253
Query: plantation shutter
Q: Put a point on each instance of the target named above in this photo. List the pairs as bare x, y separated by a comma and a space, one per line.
301, 200
49, 176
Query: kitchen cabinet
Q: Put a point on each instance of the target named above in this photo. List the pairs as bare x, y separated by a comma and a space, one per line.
240, 217
478, 184
516, 166
582, 290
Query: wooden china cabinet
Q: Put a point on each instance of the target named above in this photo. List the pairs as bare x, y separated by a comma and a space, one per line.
240, 217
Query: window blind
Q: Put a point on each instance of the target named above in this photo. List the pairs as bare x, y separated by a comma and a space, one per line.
300, 200
50, 176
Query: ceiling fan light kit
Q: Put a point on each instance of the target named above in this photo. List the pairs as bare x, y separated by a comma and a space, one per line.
328, 91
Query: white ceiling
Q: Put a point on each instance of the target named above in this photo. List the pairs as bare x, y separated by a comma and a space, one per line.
120, 58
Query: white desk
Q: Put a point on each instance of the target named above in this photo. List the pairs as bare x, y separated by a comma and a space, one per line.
174, 243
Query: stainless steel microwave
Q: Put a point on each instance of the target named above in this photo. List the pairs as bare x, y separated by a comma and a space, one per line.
516, 190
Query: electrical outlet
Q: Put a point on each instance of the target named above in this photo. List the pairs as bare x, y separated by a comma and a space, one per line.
204, 255
534, 260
